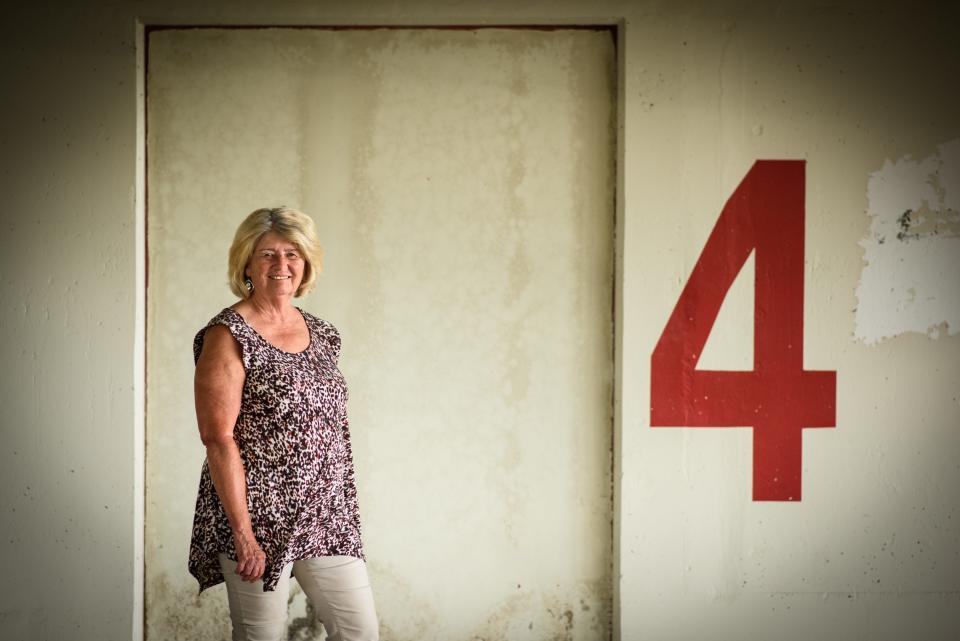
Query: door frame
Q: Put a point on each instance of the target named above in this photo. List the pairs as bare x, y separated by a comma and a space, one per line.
616, 25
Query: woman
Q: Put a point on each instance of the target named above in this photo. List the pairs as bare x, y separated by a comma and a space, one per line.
277, 488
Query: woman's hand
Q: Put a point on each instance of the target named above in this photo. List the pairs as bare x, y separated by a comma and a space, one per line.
250, 556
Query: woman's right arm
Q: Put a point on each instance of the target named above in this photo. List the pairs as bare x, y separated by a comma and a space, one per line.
218, 390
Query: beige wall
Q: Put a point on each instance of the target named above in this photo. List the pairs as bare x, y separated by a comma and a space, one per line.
865, 93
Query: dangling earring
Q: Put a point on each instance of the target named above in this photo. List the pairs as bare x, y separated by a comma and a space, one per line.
249, 284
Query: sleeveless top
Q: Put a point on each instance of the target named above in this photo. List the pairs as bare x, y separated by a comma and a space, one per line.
294, 441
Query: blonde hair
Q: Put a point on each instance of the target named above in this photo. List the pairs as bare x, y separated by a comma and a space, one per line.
294, 225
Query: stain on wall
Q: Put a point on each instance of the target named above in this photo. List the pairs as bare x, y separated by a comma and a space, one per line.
909, 282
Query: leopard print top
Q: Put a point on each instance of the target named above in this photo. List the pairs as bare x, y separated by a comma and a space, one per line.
294, 440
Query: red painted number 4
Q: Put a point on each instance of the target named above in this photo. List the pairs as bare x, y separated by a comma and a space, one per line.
779, 398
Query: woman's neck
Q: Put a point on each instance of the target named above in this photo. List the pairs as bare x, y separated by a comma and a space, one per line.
273, 311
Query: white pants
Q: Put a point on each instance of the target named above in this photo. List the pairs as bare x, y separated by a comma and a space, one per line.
337, 586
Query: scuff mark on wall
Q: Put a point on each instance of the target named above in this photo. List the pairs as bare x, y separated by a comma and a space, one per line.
912, 252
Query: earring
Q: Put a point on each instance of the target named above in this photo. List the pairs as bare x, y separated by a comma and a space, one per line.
249, 284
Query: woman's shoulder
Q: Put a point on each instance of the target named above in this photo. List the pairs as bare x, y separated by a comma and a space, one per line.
327, 330
316, 320
227, 318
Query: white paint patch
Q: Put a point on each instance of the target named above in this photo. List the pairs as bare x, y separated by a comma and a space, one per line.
909, 283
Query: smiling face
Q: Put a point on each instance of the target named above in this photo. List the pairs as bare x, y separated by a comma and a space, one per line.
275, 267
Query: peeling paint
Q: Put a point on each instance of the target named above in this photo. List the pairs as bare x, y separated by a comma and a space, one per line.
912, 251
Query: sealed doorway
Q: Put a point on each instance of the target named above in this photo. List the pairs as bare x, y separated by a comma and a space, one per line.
462, 182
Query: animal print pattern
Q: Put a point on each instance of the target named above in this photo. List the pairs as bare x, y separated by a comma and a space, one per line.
294, 439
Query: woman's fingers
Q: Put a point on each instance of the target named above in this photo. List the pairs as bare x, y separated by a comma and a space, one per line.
254, 567
251, 563
247, 570
257, 563
242, 568
251, 560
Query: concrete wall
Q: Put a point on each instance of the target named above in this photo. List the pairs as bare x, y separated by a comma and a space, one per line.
871, 551
865, 93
